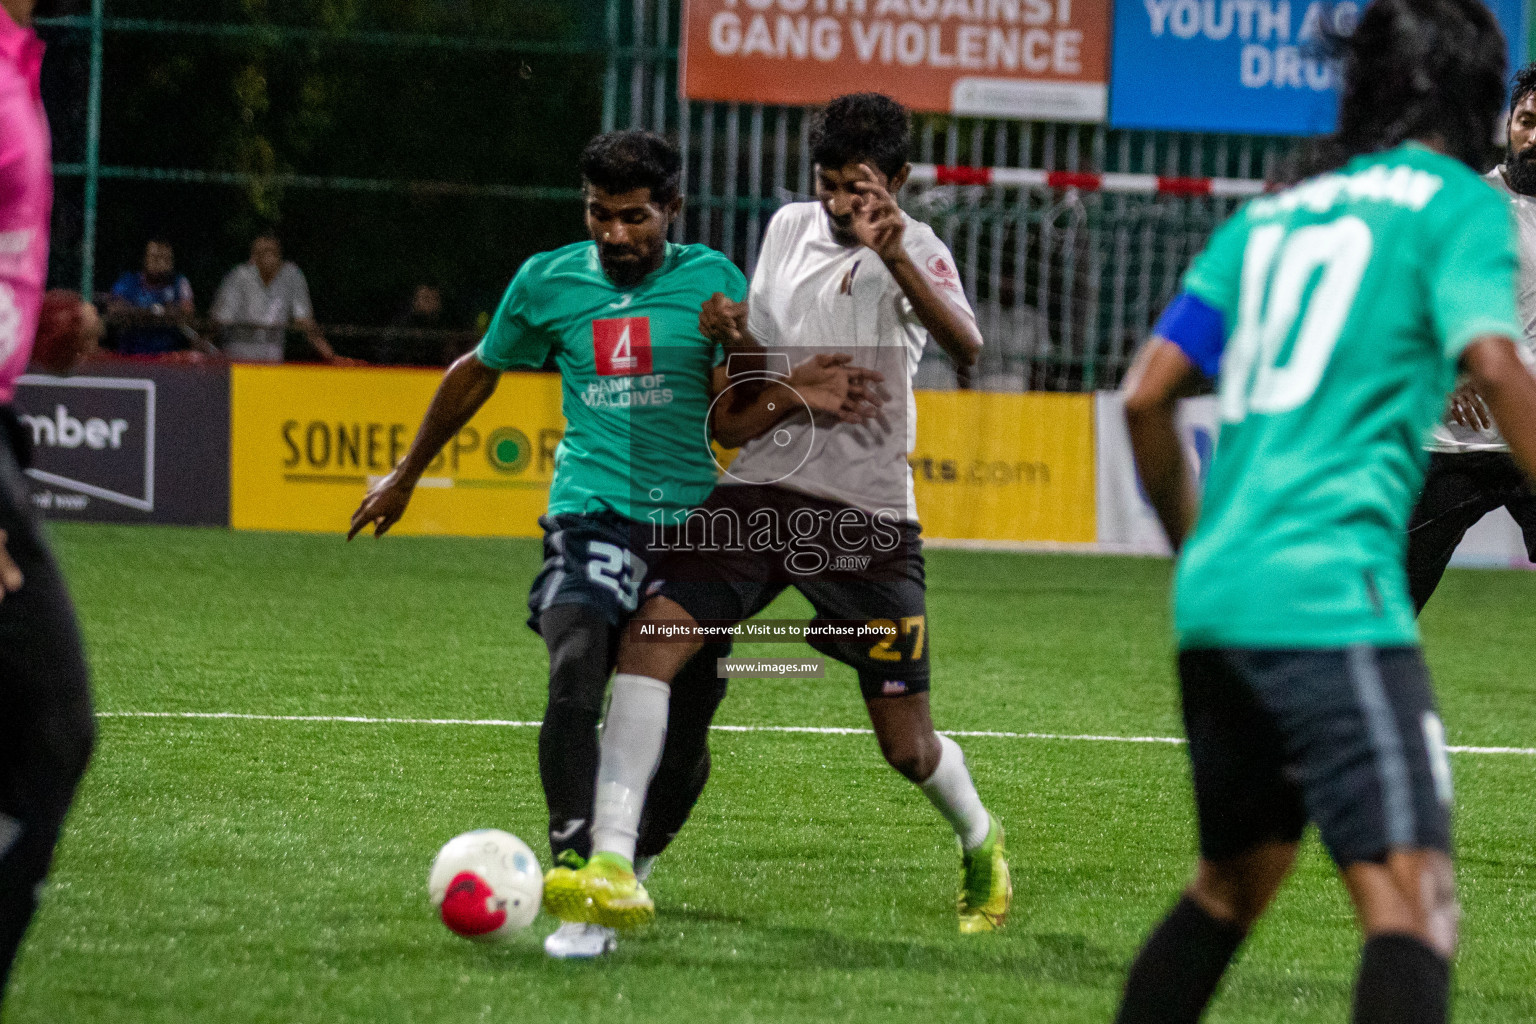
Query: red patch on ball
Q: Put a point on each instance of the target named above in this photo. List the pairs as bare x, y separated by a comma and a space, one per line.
467, 906
58, 331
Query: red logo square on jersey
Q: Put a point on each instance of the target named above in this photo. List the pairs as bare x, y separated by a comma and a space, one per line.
622, 347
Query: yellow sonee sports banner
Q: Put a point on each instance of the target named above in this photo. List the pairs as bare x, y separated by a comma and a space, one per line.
1005, 467
307, 441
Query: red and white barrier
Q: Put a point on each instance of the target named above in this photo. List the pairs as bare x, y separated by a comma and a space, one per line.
1087, 181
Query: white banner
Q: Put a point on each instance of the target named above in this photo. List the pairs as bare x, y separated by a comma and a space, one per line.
1126, 522
1494, 543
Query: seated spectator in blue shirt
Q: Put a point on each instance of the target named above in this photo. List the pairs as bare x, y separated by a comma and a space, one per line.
156, 304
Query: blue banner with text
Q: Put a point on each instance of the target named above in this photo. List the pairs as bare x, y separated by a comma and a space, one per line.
1242, 66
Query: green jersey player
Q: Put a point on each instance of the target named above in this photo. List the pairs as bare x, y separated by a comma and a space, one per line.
620, 316
1335, 316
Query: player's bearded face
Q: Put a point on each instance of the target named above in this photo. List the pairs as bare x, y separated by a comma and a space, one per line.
1520, 157
1520, 170
630, 230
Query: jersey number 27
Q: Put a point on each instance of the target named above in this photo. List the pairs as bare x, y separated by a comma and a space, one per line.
1274, 305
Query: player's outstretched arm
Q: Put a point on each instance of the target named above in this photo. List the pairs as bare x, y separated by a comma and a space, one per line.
828, 384
464, 389
1161, 375
1500, 379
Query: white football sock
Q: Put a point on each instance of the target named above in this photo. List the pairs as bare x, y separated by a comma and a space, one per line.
951, 790
634, 731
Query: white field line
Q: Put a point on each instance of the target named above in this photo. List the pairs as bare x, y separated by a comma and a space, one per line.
821, 730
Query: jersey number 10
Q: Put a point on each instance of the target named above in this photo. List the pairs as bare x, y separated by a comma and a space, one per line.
1273, 305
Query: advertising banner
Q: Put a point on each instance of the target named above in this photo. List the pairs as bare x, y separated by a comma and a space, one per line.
130, 443
1126, 520
1004, 467
1247, 66
1038, 59
308, 441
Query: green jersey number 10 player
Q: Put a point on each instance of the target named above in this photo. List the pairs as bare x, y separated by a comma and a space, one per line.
1335, 316
620, 315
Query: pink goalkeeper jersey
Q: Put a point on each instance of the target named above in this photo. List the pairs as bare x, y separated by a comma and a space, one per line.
26, 197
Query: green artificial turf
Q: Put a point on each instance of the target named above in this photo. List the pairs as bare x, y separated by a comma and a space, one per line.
247, 870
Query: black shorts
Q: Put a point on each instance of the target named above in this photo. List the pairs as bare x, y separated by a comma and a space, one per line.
595, 559
1346, 738
1459, 489
746, 544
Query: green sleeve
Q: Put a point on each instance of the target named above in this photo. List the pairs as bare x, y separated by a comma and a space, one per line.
735, 283
734, 286
1216, 275
514, 339
1472, 283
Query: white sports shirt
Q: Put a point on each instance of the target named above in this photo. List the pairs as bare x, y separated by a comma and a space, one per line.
1452, 437
256, 315
812, 295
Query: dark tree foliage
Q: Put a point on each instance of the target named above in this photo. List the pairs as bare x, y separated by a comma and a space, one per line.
342, 106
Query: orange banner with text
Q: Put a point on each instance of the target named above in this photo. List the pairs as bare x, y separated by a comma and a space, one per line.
306, 442
1038, 59
1005, 467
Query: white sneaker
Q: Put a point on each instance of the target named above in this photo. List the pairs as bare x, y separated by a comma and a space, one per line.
574, 940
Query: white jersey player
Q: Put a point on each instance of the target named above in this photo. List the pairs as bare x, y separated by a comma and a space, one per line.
1471, 472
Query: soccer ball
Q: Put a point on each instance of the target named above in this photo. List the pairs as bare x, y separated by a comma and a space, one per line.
486, 885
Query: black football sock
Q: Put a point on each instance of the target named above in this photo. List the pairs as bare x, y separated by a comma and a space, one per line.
1402, 981
579, 641
1176, 973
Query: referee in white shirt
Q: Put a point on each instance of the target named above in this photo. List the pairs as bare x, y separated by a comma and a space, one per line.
1471, 472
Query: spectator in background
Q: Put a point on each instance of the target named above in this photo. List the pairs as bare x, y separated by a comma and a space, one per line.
426, 309
425, 313
153, 305
257, 302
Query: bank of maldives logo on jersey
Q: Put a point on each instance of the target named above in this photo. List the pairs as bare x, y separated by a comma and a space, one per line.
622, 347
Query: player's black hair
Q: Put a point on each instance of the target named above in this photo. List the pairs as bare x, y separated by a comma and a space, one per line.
1523, 84
1418, 69
626, 160
862, 126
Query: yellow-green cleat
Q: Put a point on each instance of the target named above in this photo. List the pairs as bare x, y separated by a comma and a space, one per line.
986, 890
563, 894
604, 891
